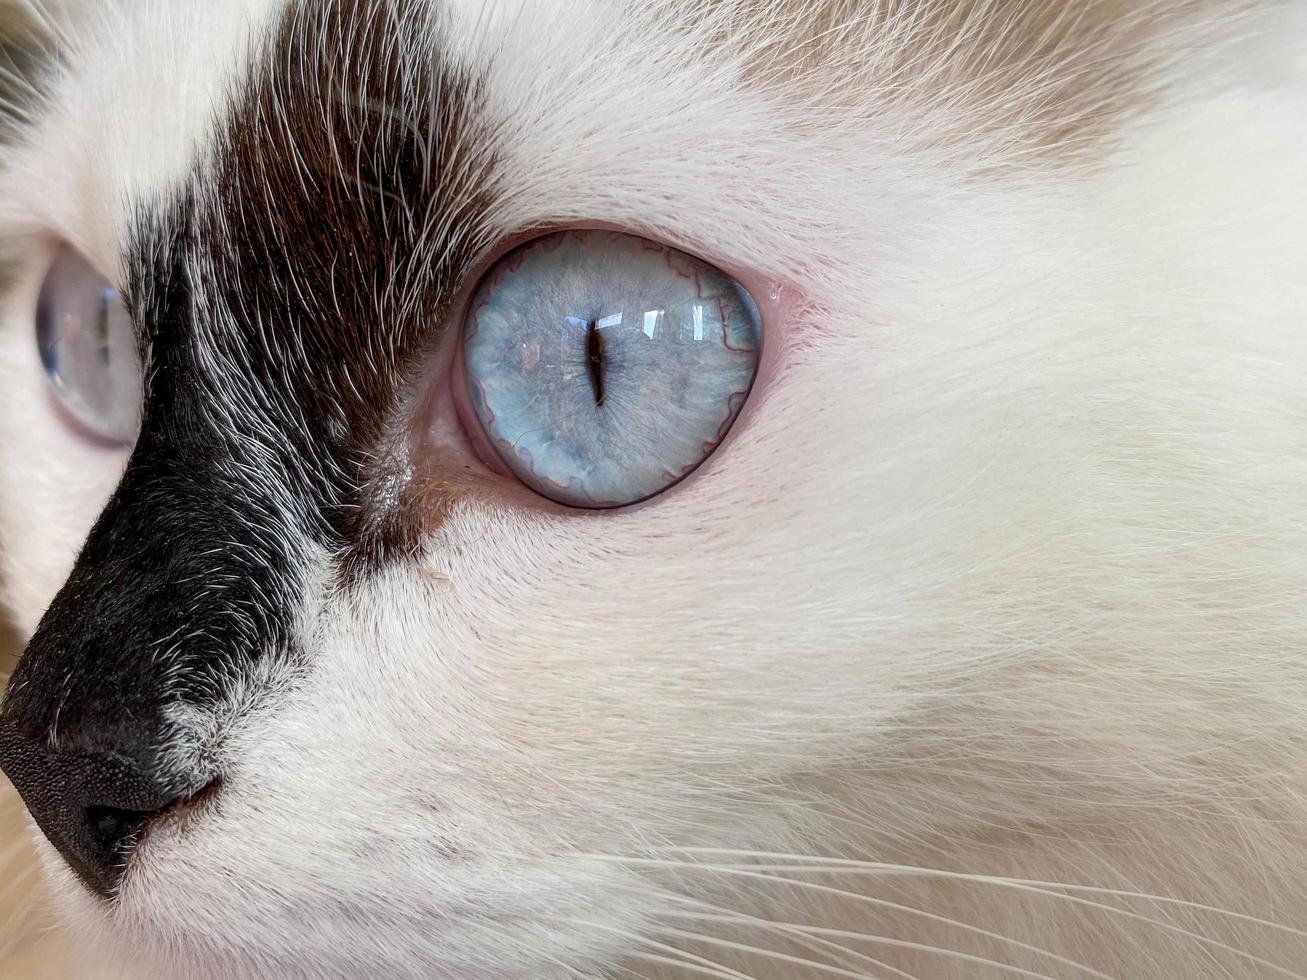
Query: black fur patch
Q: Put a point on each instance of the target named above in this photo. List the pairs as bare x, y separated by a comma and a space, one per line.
284, 298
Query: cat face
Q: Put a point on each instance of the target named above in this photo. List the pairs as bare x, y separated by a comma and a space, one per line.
319, 687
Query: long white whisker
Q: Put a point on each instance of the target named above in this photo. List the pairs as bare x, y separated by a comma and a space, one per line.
689, 967
645, 941
570, 970
880, 940
771, 954
968, 927
808, 942
843, 865
758, 871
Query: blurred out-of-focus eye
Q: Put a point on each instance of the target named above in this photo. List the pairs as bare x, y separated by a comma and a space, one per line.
604, 367
88, 348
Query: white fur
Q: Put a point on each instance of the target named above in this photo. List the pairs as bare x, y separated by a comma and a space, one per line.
1003, 573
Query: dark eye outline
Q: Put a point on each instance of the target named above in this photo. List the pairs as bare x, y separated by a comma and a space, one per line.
479, 441
57, 249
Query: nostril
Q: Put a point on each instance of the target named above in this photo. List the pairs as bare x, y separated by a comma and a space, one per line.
94, 806
115, 829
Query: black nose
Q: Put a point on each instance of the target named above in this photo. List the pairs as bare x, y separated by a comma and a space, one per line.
91, 805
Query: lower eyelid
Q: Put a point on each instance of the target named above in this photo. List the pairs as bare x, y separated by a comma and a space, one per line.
446, 447
451, 421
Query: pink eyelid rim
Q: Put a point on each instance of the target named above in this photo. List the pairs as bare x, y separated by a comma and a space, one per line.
778, 303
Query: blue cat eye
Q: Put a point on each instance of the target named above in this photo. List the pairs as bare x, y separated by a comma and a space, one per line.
88, 349
604, 367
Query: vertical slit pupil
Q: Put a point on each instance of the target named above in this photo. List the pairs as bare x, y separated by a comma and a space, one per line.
594, 360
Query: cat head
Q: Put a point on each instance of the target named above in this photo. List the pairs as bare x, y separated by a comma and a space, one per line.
331, 677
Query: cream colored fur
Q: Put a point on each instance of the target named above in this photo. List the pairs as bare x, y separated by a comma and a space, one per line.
988, 628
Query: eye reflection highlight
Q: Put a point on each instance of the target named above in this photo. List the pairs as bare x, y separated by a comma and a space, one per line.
604, 367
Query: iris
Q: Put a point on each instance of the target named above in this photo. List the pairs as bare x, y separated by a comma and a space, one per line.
604, 367
88, 349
